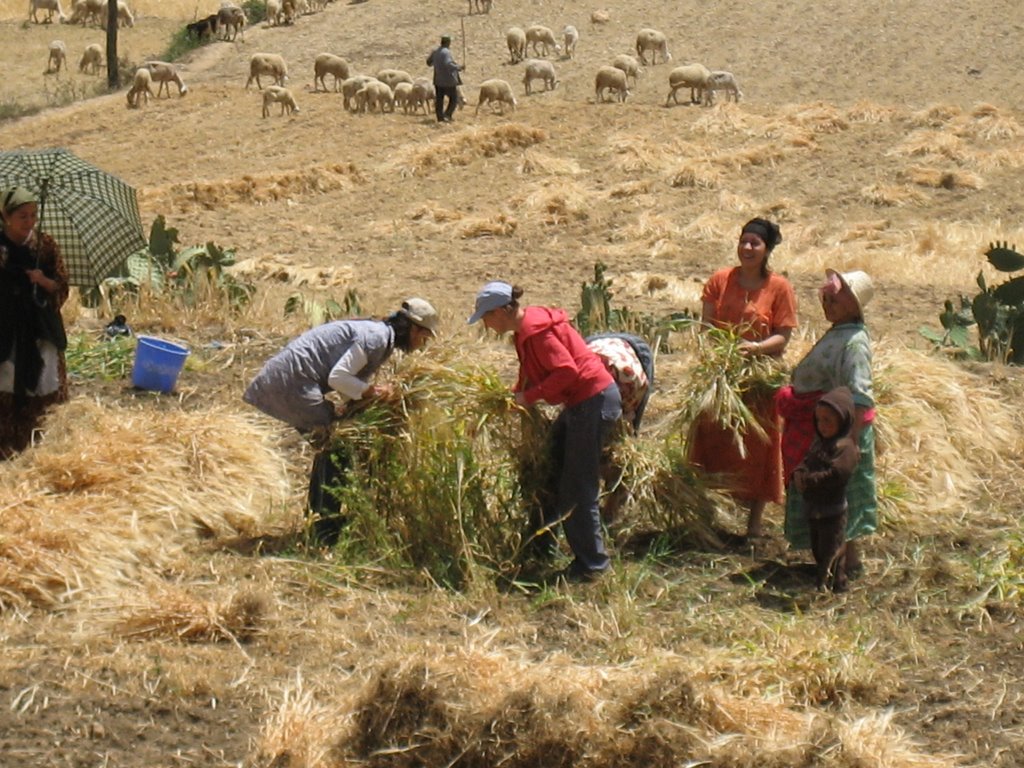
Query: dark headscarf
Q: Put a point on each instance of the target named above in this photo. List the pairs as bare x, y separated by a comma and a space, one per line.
768, 231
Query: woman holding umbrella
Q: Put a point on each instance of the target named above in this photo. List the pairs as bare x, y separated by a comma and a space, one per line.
33, 287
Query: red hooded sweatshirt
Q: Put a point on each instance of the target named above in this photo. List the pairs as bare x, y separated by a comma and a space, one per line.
555, 363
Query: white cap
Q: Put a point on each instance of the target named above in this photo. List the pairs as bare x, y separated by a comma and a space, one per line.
421, 312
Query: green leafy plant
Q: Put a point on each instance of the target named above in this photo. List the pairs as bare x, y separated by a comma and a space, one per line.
596, 314
255, 10
996, 311
319, 312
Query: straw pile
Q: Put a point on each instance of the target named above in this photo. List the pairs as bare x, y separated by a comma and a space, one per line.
479, 709
464, 147
115, 493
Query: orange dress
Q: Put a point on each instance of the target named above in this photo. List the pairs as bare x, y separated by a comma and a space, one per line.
759, 314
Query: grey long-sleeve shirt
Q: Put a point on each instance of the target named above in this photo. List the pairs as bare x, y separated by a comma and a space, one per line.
446, 71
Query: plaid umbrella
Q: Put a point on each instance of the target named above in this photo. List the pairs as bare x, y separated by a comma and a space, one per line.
93, 216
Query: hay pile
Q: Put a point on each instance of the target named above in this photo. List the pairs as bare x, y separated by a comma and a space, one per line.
114, 494
473, 708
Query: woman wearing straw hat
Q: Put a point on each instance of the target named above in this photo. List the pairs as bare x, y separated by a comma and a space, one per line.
340, 357
33, 287
842, 357
761, 306
556, 366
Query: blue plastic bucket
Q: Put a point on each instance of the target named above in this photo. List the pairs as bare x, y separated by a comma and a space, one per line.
157, 364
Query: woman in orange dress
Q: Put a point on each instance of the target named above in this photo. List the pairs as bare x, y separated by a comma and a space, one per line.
761, 305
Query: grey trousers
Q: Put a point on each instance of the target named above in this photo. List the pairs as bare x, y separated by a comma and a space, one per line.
578, 436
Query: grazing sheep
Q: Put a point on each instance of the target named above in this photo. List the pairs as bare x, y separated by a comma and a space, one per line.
600, 17
423, 95
125, 18
269, 64
403, 96
495, 92
482, 6
50, 6
232, 21
515, 38
692, 76
629, 65
141, 83
570, 36
540, 35
78, 12
92, 59
720, 80
58, 57
374, 95
165, 73
394, 76
203, 28
351, 87
89, 10
275, 94
280, 12
652, 40
538, 69
329, 64
610, 79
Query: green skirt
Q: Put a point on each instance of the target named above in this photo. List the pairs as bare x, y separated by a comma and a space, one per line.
860, 498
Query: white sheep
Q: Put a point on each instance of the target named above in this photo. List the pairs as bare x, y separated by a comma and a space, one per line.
329, 64
99, 11
394, 76
374, 95
570, 37
270, 65
403, 96
50, 6
541, 35
141, 87
280, 12
720, 80
232, 21
165, 73
655, 41
629, 65
539, 69
496, 92
692, 76
600, 17
92, 59
515, 39
275, 94
125, 17
58, 56
610, 79
423, 95
351, 87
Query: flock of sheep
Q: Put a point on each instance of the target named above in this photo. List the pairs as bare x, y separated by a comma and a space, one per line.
390, 89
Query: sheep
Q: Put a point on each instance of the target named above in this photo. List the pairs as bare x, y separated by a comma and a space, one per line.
125, 18
403, 96
394, 76
423, 95
89, 10
373, 95
141, 83
351, 87
482, 6
515, 39
58, 57
280, 12
611, 79
720, 80
78, 12
232, 21
629, 65
165, 73
203, 28
652, 40
329, 64
692, 76
276, 94
270, 64
98, 9
538, 69
495, 92
45, 5
570, 36
540, 35
92, 59
600, 17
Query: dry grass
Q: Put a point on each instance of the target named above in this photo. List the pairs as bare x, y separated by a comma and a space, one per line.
892, 195
464, 147
943, 179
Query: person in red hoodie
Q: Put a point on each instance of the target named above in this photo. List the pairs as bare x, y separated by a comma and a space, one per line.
557, 366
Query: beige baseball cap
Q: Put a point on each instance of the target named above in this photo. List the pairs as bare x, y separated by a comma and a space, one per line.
421, 312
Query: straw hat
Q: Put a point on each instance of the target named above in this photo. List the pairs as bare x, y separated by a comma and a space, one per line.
857, 283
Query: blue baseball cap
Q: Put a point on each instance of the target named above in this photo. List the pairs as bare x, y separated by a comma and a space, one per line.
492, 296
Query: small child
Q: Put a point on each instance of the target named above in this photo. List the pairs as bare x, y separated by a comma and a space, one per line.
822, 477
